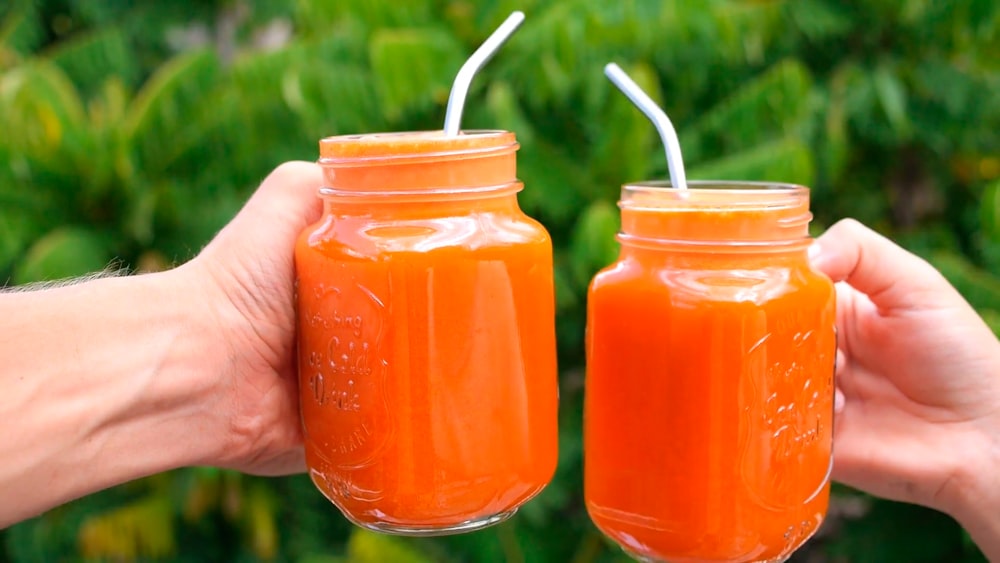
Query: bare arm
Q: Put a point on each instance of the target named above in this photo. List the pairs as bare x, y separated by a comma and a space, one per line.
104, 382
113, 379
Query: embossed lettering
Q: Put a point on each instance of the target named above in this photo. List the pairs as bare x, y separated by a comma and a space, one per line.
347, 371
318, 387
353, 440
351, 322
344, 397
349, 357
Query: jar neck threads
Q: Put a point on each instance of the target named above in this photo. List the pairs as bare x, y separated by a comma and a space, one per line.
715, 215
424, 162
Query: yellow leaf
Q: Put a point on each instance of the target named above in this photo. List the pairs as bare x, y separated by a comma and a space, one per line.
261, 522
143, 529
369, 547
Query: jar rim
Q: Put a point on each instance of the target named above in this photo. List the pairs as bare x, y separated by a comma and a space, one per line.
743, 186
703, 194
425, 195
715, 213
413, 146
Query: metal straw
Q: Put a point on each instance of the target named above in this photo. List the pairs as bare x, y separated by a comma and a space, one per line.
460, 88
659, 119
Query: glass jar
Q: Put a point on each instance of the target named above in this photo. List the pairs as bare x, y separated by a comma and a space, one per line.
427, 353
711, 345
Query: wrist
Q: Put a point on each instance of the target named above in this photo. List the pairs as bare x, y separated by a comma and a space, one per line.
253, 399
190, 371
974, 498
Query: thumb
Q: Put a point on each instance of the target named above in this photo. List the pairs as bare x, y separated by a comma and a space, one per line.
287, 197
285, 203
889, 275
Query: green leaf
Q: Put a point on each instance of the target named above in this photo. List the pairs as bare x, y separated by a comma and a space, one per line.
742, 28
555, 186
91, 58
259, 520
64, 253
21, 31
594, 244
892, 97
316, 17
992, 319
549, 55
977, 286
319, 558
333, 98
624, 135
834, 143
502, 104
319, 16
989, 212
914, 11
774, 104
164, 104
818, 19
193, 217
566, 293
140, 530
211, 149
787, 160
369, 547
982, 16
413, 68
17, 230
40, 104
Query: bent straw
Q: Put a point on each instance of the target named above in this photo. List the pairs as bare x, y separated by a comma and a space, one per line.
659, 119
460, 88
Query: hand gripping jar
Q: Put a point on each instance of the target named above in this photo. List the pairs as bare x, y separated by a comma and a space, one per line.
427, 353
711, 345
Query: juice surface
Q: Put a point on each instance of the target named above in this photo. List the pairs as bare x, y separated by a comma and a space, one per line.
427, 351
709, 397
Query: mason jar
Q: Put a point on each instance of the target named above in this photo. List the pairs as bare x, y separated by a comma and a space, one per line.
711, 344
427, 353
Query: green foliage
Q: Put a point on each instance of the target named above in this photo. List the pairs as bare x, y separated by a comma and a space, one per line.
904, 533
369, 547
131, 132
592, 244
413, 68
63, 253
139, 529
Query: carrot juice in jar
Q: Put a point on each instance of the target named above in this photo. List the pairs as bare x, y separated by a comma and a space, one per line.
427, 353
710, 359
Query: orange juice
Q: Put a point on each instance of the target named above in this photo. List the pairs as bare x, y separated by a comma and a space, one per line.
427, 354
709, 392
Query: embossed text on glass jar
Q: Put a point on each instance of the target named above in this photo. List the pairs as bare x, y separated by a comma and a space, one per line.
426, 334
710, 355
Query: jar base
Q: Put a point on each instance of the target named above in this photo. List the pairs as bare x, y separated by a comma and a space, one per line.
430, 531
645, 559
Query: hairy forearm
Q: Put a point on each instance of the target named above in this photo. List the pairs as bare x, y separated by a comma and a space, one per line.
101, 384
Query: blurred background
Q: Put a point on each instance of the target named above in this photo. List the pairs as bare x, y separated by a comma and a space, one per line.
131, 131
